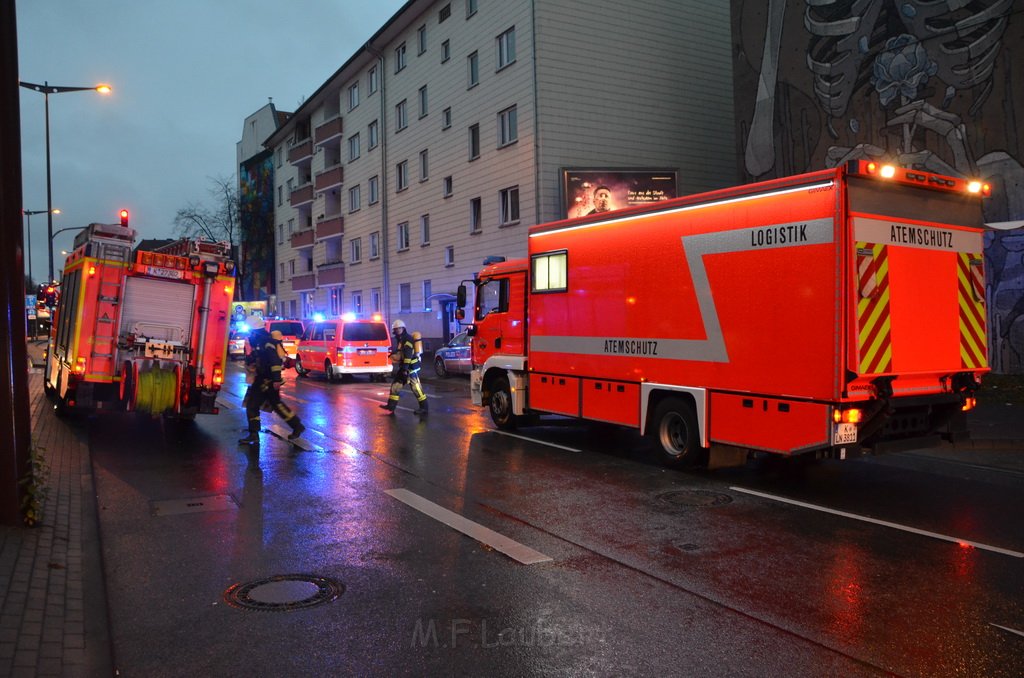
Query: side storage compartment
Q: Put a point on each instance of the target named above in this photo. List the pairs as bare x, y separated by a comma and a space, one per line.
615, 402
555, 393
773, 424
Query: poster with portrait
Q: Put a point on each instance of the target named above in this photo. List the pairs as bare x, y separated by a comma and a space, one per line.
592, 191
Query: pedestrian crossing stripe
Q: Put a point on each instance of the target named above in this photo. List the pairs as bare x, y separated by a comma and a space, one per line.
873, 319
971, 297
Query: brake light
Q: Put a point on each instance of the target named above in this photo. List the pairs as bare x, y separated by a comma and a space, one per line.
887, 171
92, 271
852, 415
969, 404
80, 366
218, 378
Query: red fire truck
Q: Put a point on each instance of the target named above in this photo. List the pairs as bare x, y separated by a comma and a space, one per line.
145, 334
834, 313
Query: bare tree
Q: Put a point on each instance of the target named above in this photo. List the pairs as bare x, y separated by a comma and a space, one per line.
219, 221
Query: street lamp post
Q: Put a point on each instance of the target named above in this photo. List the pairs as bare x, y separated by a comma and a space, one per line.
28, 229
47, 89
55, 234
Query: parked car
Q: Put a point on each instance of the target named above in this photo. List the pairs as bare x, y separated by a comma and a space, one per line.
454, 357
236, 344
340, 348
291, 333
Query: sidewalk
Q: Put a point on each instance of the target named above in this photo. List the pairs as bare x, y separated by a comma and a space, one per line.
53, 603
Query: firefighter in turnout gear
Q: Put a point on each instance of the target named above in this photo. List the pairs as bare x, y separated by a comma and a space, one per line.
265, 365
406, 356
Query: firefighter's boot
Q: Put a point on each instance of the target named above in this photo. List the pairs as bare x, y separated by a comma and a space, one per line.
388, 407
254, 434
297, 428
422, 409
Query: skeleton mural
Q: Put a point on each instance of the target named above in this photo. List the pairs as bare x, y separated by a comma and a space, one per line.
924, 83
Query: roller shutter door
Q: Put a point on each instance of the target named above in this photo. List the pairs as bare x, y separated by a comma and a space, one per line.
160, 310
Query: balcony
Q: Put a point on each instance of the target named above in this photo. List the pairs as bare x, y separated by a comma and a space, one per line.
329, 228
332, 273
304, 283
302, 239
300, 152
331, 129
329, 178
301, 195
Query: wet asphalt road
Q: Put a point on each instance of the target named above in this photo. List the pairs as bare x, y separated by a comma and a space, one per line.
651, 571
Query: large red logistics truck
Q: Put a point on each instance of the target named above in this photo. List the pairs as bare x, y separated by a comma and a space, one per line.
832, 313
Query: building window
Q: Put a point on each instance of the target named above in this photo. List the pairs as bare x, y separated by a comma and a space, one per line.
421, 39
446, 118
550, 272
353, 96
405, 297
424, 166
375, 299
373, 136
427, 293
372, 80
291, 227
354, 198
445, 12
291, 267
280, 195
474, 141
447, 187
449, 256
374, 190
280, 155
375, 245
474, 69
470, 8
353, 147
280, 234
401, 121
334, 298
508, 128
506, 48
357, 302
425, 229
508, 199
282, 272
402, 175
355, 252
400, 57
475, 215
423, 101
446, 51
403, 236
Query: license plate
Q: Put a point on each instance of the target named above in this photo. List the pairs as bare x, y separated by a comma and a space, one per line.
164, 272
844, 434
366, 351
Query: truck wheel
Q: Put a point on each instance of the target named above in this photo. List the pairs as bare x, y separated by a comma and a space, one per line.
674, 428
299, 369
501, 404
60, 403
439, 367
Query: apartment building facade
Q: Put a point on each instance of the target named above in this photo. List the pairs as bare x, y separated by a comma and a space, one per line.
450, 131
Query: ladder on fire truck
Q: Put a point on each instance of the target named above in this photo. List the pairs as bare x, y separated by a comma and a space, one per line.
112, 255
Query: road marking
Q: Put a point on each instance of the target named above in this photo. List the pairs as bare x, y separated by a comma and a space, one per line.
534, 440
283, 433
1007, 628
883, 523
499, 542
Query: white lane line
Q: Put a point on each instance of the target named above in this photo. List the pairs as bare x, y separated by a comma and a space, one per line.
883, 523
534, 440
1007, 628
283, 433
499, 542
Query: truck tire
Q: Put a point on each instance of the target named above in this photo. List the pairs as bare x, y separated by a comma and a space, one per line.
299, 369
60, 403
501, 404
674, 429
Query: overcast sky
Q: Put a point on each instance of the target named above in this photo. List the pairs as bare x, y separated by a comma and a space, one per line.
184, 74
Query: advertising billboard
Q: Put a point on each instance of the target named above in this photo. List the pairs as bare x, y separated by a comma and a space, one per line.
592, 191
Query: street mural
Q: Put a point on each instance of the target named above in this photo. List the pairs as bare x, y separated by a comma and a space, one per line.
256, 214
924, 83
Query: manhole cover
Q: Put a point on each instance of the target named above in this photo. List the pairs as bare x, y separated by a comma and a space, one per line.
283, 593
698, 498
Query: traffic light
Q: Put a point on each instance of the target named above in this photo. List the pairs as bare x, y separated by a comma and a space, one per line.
124, 217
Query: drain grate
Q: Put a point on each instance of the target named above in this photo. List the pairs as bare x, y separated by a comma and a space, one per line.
171, 507
283, 593
693, 498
